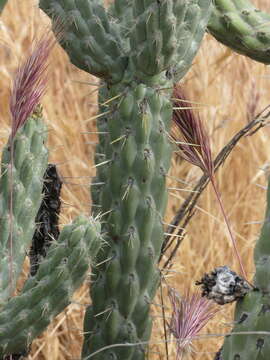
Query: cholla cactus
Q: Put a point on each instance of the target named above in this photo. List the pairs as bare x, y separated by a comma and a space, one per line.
24, 161
139, 50
250, 336
241, 26
23, 164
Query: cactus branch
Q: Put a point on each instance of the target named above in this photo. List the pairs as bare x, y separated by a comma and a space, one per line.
47, 293
241, 26
91, 39
17, 212
191, 24
252, 313
132, 160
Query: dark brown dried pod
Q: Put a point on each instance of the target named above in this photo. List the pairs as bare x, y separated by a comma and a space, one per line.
223, 285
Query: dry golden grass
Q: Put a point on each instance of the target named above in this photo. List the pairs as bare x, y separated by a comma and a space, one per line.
227, 83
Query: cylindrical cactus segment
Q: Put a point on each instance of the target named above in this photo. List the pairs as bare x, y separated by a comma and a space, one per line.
249, 339
252, 314
134, 197
242, 27
91, 39
167, 35
153, 40
262, 252
155, 35
20, 197
132, 160
48, 292
122, 10
191, 28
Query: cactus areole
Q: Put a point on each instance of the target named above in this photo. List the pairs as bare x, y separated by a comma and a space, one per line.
139, 50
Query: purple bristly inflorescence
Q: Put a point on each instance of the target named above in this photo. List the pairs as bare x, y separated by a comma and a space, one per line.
190, 313
188, 127
30, 82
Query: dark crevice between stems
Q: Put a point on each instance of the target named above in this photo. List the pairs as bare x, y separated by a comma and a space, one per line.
47, 228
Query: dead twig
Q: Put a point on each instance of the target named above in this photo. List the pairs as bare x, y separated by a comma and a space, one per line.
187, 209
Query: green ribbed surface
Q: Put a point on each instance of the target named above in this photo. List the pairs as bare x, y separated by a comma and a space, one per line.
253, 312
192, 19
156, 43
242, 27
154, 38
122, 12
262, 252
46, 294
91, 40
135, 192
25, 182
167, 35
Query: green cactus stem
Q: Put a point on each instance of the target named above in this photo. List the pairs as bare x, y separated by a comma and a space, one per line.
135, 196
91, 40
139, 65
21, 184
99, 42
47, 293
2, 5
47, 218
241, 26
252, 314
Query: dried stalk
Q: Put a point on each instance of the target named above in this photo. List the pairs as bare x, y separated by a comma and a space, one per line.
187, 209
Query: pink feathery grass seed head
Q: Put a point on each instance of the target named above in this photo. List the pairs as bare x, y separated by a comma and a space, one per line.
190, 134
30, 82
195, 148
190, 314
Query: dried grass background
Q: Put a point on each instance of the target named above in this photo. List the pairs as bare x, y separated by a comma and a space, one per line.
231, 87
